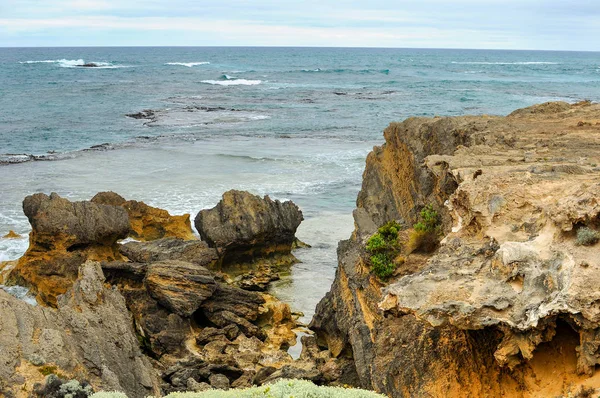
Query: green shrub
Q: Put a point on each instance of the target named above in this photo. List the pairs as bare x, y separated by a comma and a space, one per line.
376, 243
280, 389
389, 231
382, 265
429, 222
587, 236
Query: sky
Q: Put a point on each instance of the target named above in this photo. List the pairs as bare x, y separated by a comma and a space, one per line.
484, 24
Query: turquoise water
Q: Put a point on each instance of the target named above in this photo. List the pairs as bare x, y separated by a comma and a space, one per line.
294, 123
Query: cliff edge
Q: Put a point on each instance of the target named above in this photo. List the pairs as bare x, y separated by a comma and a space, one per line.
505, 301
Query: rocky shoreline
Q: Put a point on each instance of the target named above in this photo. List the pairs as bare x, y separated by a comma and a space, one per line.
472, 271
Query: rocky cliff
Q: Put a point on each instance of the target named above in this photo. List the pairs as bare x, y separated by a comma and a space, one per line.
505, 303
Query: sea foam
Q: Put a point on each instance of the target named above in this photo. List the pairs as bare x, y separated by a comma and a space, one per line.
76, 63
235, 82
188, 64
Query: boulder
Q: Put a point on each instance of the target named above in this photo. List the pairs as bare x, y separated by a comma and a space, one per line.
147, 222
246, 225
64, 235
179, 286
193, 251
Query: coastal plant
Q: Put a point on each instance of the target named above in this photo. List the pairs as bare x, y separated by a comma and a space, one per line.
384, 246
426, 232
281, 389
382, 265
587, 236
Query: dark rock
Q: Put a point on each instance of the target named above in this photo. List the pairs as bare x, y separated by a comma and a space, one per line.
240, 302
192, 251
179, 286
263, 374
219, 381
56, 221
226, 318
243, 224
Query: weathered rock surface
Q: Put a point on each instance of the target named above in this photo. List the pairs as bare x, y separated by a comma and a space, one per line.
64, 235
179, 286
147, 222
193, 251
507, 306
246, 225
88, 337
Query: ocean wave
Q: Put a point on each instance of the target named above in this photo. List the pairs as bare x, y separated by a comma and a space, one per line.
228, 77
342, 70
234, 82
77, 63
188, 64
505, 63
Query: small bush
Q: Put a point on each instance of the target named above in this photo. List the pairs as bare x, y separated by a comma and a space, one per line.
429, 221
376, 243
383, 246
587, 236
382, 265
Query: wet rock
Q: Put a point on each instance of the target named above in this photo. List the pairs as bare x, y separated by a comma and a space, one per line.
147, 222
179, 286
192, 251
243, 225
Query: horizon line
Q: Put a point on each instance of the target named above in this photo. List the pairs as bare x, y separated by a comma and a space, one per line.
311, 47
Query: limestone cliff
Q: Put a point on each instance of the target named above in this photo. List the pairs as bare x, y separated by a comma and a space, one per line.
506, 305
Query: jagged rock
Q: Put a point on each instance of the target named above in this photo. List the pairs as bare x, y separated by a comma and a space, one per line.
147, 222
243, 225
89, 336
192, 251
240, 302
219, 381
503, 307
12, 235
64, 235
179, 286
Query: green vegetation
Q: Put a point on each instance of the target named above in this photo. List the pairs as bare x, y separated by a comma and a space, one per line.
430, 221
426, 232
280, 389
384, 247
587, 236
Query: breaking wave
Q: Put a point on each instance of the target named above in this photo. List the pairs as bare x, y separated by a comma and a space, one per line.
188, 64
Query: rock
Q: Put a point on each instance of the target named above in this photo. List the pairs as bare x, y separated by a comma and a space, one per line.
147, 222
193, 385
502, 307
88, 65
219, 381
192, 251
179, 286
239, 302
295, 371
64, 235
12, 235
245, 225
90, 335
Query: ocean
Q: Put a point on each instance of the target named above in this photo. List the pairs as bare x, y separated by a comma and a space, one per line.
293, 123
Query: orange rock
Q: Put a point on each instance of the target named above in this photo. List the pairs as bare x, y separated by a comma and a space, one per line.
64, 235
147, 222
12, 235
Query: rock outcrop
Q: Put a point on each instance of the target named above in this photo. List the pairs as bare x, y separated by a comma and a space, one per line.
64, 235
89, 336
507, 305
246, 226
147, 222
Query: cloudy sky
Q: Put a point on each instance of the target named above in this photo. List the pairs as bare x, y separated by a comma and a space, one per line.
497, 24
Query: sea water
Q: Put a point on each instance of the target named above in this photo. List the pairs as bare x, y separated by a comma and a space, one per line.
293, 123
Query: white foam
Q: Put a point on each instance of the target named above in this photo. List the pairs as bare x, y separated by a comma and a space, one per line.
76, 63
506, 63
20, 292
188, 64
236, 82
